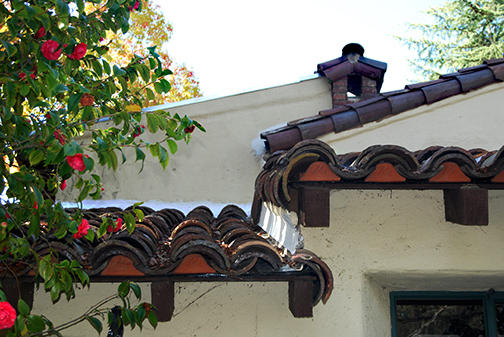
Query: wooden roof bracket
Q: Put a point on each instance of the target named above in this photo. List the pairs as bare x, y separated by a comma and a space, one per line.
467, 205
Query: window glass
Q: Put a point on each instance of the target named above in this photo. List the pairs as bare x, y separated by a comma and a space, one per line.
438, 317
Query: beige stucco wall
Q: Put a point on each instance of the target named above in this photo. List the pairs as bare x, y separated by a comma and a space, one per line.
378, 241
219, 165
470, 120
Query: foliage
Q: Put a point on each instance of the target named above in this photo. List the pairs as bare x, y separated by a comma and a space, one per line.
150, 28
464, 33
27, 324
55, 85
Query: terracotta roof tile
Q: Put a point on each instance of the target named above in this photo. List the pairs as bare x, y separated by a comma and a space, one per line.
384, 104
168, 242
428, 166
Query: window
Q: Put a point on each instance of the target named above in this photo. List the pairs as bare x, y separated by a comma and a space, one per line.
454, 314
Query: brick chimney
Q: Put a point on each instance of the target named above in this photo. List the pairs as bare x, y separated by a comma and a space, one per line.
353, 77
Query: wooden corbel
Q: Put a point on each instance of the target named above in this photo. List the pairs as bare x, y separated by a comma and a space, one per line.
467, 205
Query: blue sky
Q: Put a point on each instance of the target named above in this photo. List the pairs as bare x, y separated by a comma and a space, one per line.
234, 46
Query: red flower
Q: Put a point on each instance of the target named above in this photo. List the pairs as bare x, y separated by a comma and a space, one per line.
78, 52
82, 230
190, 129
7, 315
76, 162
50, 49
87, 100
117, 227
63, 185
35, 205
40, 33
59, 136
138, 131
137, 4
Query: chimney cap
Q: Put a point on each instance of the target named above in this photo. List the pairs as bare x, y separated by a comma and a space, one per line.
353, 48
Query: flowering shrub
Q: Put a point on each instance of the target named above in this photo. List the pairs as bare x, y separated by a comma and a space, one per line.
57, 84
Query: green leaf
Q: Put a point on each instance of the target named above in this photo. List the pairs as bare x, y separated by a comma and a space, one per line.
172, 145
35, 323
118, 71
106, 67
136, 290
144, 72
152, 123
23, 308
95, 323
163, 157
73, 102
36, 157
139, 214
158, 87
11, 50
152, 319
130, 222
154, 149
124, 288
59, 88
150, 94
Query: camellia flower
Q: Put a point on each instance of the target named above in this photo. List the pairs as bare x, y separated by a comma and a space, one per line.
59, 136
118, 225
76, 162
40, 33
135, 6
138, 131
7, 315
78, 52
87, 100
63, 185
50, 50
82, 230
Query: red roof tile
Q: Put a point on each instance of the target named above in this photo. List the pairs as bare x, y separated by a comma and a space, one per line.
383, 105
167, 242
314, 161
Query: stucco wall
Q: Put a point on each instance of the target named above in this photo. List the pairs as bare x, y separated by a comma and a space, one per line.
378, 241
219, 165
472, 120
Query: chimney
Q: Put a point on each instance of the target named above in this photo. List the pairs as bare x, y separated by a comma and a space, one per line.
353, 77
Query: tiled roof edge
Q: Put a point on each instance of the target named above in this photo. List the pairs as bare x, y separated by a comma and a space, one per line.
384, 105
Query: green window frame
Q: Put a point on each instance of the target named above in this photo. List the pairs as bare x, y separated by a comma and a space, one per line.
488, 299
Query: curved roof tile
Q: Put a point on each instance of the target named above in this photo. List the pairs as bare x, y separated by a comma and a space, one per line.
425, 166
383, 105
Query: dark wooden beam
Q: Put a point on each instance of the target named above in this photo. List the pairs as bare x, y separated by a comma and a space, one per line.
163, 298
467, 205
314, 207
301, 298
14, 289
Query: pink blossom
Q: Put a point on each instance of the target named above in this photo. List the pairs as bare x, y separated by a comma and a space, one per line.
50, 50
138, 131
82, 230
78, 52
118, 225
7, 315
76, 162
63, 185
40, 33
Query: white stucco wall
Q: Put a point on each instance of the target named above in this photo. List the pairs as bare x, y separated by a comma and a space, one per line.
220, 165
470, 120
378, 241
